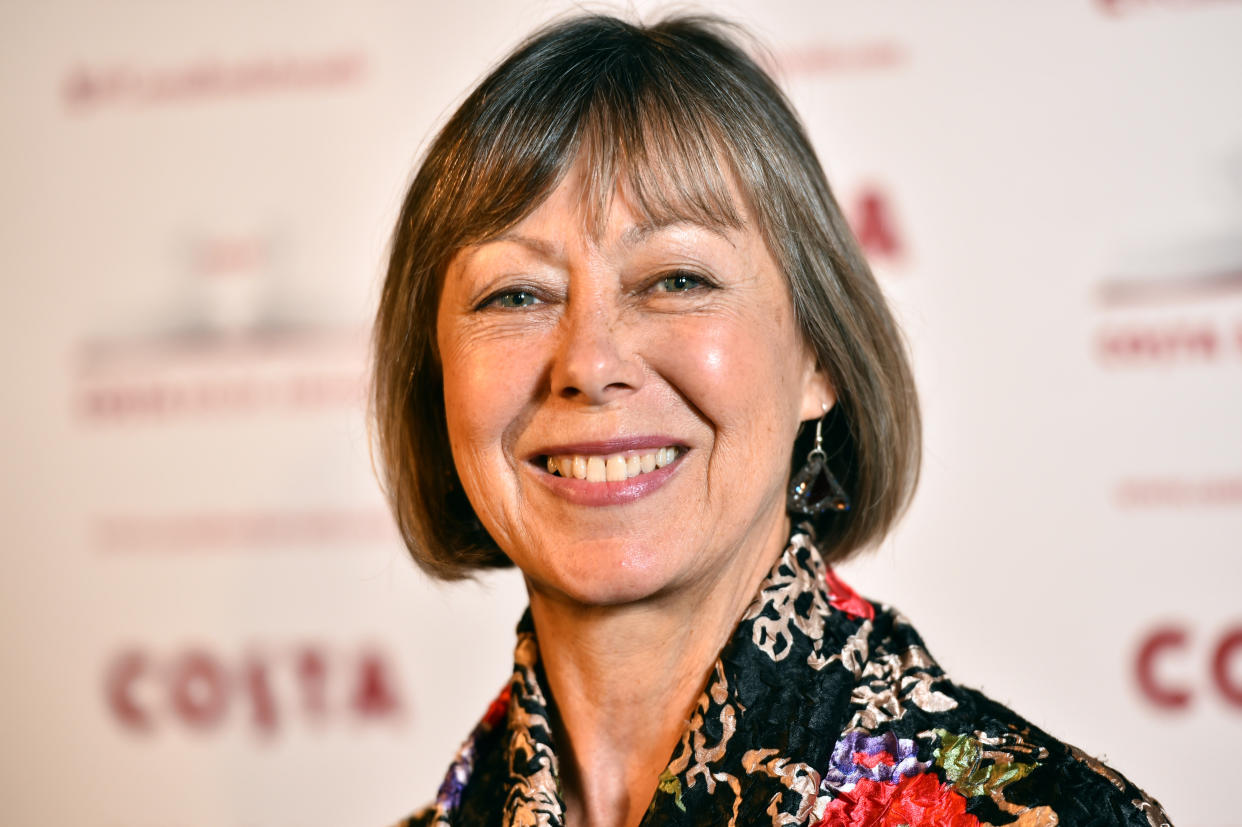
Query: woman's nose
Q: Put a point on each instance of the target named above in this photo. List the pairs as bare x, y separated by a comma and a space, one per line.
595, 361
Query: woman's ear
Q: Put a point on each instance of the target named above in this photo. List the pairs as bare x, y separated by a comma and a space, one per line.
818, 393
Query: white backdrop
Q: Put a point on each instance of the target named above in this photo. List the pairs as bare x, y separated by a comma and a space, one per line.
209, 621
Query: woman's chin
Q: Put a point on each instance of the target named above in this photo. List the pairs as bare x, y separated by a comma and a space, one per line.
611, 575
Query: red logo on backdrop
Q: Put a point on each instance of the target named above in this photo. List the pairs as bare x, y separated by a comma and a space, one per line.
248, 529
1172, 492
1164, 343
199, 689
1122, 6
90, 87
1169, 680
1195, 275
837, 58
872, 219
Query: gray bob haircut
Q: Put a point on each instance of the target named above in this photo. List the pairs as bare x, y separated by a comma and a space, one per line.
665, 113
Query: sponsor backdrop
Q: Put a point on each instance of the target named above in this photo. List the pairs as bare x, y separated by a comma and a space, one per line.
208, 620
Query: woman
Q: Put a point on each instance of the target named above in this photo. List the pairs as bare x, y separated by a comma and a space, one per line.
619, 287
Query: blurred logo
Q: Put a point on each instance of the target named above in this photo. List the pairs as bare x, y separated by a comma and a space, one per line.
871, 217
839, 58
1174, 296
248, 529
1169, 679
1173, 304
1118, 7
235, 339
265, 691
1173, 492
90, 87
1203, 271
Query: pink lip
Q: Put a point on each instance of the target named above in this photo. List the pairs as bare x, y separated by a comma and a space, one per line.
609, 446
581, 492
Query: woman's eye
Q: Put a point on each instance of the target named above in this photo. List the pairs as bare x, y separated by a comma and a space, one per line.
679, 283
515, 298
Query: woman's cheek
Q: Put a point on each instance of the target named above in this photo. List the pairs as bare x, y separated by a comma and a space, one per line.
739, 373
724, 369
483, 397
490, 379
482, 401
696, 355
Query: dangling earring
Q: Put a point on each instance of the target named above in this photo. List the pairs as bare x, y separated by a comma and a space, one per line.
814, 489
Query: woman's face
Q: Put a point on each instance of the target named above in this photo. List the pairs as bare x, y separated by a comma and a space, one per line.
621, 405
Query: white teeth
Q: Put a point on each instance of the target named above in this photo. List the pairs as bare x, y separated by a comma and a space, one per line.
616, 468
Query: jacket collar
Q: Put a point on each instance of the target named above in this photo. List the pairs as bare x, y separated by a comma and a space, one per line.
773, 708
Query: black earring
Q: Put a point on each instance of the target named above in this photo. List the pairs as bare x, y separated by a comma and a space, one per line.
814, 489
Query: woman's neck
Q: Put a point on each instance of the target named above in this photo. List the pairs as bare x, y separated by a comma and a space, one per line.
625, 680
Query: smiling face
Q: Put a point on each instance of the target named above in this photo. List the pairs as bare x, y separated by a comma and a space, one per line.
621, 404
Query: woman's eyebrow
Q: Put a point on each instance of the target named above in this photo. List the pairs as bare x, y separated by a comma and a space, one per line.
538, 245
641, 231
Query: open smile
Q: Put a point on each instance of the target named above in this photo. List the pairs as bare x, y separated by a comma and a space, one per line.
608, 473
612, 468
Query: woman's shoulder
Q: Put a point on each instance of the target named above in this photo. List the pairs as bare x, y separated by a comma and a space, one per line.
827, 710
914, 733
472, 791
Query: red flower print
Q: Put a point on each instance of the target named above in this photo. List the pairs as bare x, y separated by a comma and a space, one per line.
918, 801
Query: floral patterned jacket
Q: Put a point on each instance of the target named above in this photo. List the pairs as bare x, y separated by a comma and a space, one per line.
824, 709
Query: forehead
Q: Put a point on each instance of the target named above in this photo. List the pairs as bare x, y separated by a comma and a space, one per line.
657, 180
630, 206
556, 233
676, 118
665, 163
576, 219
635, 207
